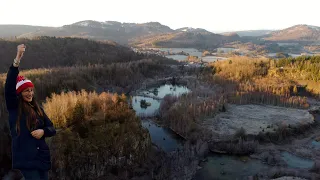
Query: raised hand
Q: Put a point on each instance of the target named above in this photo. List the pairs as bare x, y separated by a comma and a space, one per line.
20, 50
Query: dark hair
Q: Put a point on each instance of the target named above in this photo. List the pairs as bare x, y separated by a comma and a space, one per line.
31, 110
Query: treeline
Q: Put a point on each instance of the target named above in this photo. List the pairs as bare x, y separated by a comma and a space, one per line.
305, 67
241, 68
262, 91
244, 69
48, 52
255, 97
275, 81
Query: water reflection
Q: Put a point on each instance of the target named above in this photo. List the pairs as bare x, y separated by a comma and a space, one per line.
149, 106
162, 137
166, 89
145, 111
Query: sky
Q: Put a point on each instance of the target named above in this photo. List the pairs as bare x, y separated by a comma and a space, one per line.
212, 15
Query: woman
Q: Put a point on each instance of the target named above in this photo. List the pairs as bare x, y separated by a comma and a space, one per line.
29, 125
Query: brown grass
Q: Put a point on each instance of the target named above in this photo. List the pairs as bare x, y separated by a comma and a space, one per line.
255, 80
100, 132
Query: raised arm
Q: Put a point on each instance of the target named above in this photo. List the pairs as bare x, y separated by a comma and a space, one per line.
10, 85
10, 88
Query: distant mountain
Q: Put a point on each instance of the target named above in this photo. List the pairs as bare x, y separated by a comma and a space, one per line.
10, 31
144, 34
157, 34
185, 39
109, 30
231, 34
253, 33
190, 29
296, 33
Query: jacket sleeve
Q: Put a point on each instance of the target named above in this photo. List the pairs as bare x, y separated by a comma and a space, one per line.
10, 88
48, 129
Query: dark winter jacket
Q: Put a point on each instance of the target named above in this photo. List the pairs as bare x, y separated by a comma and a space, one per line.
27, 151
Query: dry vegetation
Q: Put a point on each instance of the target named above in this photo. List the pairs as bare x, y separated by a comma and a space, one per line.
184, 114
259, 81
101, 135
103, 138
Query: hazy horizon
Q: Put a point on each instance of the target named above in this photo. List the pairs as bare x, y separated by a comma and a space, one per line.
215, 16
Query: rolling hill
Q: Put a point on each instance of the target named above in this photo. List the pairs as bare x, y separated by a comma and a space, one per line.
109, 30
155, 34
296, 33
144, 34
10, 31
253, 33
184, 39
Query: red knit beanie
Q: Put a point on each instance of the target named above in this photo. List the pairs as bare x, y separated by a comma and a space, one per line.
22, 84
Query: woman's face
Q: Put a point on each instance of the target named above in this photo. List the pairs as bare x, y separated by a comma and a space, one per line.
27, 94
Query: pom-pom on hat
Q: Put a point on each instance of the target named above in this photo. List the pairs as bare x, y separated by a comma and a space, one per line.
22, 84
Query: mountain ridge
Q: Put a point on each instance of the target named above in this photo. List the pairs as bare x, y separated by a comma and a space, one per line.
253, 33
300, 32
133, 33
155, 34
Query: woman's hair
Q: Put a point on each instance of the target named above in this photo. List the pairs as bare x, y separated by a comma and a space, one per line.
31, 110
